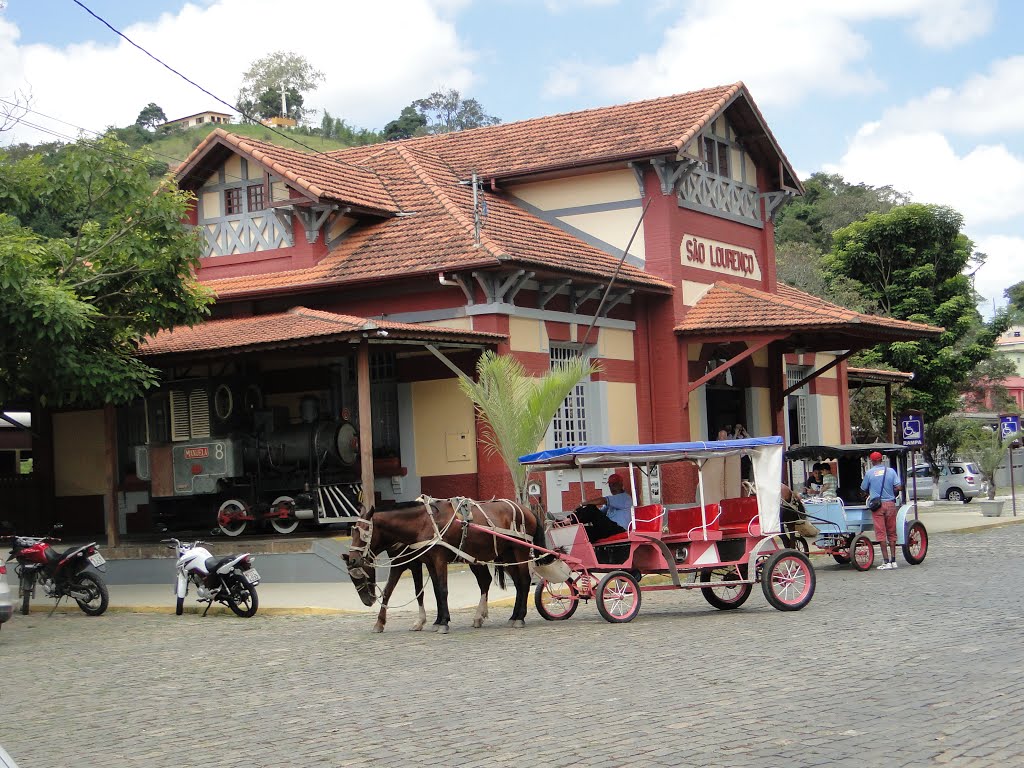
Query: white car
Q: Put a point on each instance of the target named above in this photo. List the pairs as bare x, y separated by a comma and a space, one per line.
958, 481
6, 606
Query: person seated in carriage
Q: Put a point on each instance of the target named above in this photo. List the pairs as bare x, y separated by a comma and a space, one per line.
604, 516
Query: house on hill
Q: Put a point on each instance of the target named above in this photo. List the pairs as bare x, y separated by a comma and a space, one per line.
350, 284
200, 118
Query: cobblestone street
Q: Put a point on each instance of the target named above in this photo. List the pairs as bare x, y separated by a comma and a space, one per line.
918, 667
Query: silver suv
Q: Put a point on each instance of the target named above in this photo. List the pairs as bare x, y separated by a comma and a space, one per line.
958, 481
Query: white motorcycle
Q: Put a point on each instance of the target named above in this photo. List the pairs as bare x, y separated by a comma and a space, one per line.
230, 580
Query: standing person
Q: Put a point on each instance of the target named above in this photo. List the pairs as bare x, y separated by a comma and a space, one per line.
605, 516
740, 433
723, 433
881, 482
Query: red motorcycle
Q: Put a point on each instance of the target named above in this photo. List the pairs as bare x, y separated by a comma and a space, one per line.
61, 574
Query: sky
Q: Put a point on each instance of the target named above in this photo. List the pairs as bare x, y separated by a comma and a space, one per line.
922, 95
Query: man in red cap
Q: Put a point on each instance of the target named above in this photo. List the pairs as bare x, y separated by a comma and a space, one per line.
881, 482
605, 516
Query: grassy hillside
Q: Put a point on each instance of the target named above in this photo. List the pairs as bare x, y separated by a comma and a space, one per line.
175, 147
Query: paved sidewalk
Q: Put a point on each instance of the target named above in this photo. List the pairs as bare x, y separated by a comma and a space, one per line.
940, 518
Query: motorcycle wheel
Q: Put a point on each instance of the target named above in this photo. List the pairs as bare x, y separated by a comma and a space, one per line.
242, 599
27, 583
179, 606
99, 597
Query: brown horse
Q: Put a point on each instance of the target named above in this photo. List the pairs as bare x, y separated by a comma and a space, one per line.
436, 532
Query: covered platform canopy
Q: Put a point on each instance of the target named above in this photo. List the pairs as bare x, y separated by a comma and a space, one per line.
849, 460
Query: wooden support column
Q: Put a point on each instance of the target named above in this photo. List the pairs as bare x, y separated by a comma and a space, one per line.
110, 472
365, 424
888, 413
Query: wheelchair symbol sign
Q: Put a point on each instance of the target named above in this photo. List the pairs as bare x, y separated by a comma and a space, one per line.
912, 430
1009, 426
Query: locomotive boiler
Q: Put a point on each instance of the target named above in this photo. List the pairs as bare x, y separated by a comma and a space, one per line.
252, 465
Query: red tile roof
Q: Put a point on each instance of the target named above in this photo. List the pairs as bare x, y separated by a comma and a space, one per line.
436, 233
317, 175
728, 308
298, 324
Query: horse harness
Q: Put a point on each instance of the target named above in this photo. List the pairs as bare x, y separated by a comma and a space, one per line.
464, 510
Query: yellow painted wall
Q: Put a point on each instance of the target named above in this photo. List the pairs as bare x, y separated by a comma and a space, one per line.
693, 292
78, 454
527, 335
233, 169
698, 414
255, 170
462, 323
211, 205
278, 191
760, 358
622, 421
822, 360
615, 344
442, 426
613, 227
339, 225
828, 412
761, 419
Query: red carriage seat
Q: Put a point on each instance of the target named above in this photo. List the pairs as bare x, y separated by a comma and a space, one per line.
740, 517
687, 521
647, 519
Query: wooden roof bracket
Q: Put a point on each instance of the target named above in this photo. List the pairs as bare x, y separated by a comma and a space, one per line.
815, 374
773, 201
671, 172
619, 297
759, 345
547, 293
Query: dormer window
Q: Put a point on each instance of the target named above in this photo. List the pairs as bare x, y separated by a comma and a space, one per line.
715, 156
232, 201
254, 195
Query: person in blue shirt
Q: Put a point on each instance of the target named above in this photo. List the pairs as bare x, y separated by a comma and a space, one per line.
882, 482
605, 516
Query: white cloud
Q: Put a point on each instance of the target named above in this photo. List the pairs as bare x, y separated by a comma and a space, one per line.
985, 184
783, 51
984, 104
1003, 268
369, 77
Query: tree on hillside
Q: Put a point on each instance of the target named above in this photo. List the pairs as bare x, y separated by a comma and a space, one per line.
151, 116
1015, 295
269, 75
337, 128
92, 261
446, 111
410, 123
910, 262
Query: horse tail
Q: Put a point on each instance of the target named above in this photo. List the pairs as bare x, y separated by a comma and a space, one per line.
499, 572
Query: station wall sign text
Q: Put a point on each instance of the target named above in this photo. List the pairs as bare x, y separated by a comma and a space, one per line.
701, 253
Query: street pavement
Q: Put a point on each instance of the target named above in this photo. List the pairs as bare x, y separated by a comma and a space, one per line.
921, 666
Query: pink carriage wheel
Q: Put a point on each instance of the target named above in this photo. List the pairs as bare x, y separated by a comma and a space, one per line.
556, 601
862, 553
916, 548
787, 580
618, 597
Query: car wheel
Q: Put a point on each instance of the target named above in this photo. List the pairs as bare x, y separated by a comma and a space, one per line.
955, 494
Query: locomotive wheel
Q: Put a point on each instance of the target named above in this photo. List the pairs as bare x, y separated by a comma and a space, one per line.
788, 580
724, 596
916, 548
862, 553
556, 601
228, 517
284, 525
618, 597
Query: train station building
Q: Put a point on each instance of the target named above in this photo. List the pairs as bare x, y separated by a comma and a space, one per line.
640, 235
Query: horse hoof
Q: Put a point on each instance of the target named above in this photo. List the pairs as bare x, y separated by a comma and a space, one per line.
378, 628
511, 623
518, 624
443, 629
416, 628
477, 623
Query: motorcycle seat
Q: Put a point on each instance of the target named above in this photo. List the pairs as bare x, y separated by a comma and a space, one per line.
213, 563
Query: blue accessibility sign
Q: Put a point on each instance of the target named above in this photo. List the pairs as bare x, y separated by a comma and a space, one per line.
912, 429
1009, 426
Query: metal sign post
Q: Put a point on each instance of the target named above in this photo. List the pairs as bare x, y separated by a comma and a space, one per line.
1009, 429
912, 435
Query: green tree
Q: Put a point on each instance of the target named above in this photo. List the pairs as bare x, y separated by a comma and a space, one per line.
92, 261
910, 262
985, 448
151, 116
1015, 296
268, 75
446, 111
410, 123
517, 408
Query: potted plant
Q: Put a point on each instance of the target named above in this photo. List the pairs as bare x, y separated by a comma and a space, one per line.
985, 448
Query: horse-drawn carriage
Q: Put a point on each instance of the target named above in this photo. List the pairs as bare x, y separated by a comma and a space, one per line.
844, 523
722, 548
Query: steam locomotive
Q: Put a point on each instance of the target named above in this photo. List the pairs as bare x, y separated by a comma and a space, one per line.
249, 462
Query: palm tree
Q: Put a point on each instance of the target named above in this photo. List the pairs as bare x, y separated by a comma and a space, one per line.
986, 449
517, 408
